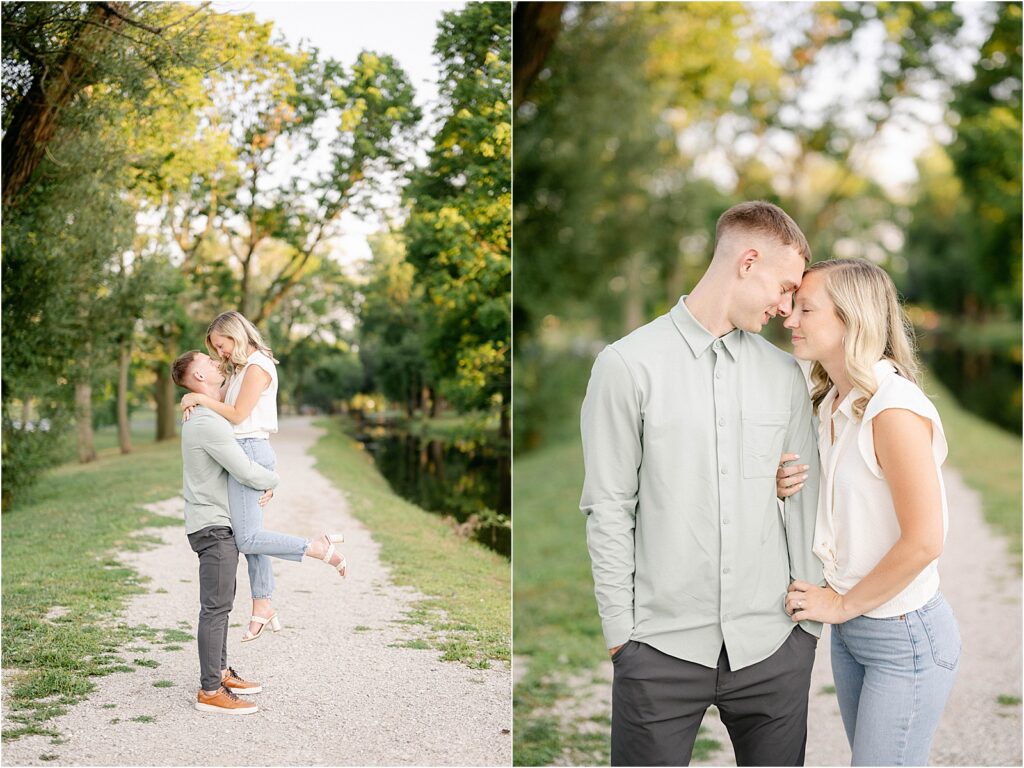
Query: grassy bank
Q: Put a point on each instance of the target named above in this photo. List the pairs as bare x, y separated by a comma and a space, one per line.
557, 631
989, 458
467, 612
62, 581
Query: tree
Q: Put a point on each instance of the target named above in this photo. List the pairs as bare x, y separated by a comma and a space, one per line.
392, 327
53, 52
459, 229
987, 158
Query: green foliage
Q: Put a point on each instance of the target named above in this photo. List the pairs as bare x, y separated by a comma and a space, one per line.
458, 232
392, 317
649, 120
334, 379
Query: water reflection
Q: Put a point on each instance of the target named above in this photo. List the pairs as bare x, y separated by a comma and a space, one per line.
986, 382
468, 480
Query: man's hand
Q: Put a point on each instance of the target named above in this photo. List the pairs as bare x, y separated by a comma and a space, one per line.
613, 651
266, 497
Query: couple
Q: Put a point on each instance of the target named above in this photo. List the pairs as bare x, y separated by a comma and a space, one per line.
228, 479
713, 592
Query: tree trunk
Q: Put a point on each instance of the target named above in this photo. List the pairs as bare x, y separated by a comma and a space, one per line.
536, 26
634, 317
166, 405
435, 404
26, 411
124, 435
505, 428
37, 115
83, 416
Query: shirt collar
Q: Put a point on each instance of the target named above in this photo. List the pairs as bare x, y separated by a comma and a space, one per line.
882, 370
700, 338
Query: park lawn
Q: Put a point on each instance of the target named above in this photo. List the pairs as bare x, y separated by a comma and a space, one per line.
60, 545
467, 610
557, 630
989, 458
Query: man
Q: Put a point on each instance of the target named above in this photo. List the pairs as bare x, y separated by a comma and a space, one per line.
683, 425
209, 452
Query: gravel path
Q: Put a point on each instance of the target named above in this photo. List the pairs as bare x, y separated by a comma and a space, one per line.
336, 689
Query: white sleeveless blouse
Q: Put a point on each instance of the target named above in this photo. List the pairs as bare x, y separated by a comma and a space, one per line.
262, 422
856, 524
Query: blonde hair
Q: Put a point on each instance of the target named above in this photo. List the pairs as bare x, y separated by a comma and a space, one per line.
876, 327
234, 326
765, 218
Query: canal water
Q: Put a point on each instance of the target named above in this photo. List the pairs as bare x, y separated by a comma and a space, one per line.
468, 480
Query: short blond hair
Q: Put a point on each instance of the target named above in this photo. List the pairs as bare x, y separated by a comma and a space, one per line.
236, 327
765, 218
866, 301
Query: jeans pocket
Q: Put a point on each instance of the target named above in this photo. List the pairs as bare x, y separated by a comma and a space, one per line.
943, 632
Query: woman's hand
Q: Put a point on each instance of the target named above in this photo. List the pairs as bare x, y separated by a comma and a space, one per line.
789, 480
265, 498
807, 601
190, 401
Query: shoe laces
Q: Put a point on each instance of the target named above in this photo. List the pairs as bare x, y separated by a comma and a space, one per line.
232, 675
229, 693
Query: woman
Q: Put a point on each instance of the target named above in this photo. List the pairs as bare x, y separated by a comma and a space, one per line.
250, 403
882, 514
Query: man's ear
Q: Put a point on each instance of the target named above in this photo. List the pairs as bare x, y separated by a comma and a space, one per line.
747, 260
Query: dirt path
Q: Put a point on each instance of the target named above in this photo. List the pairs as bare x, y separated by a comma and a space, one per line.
337, 690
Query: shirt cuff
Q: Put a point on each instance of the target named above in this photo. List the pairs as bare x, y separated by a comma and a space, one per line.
617, 631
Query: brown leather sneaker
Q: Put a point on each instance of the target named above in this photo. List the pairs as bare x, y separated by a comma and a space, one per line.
237, 685
224, 702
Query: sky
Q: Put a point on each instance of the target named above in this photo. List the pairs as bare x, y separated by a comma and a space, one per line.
340, 30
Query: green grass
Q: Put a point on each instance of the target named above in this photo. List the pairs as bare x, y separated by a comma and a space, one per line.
557, 629
60, 546
989, 459
1008, 701
467, 612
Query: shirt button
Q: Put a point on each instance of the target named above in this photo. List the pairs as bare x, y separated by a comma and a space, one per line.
721, 422
725, 570
718, 374
717, 345
725, 471
725, 521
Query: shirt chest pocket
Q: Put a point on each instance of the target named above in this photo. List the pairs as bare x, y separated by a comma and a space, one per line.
763, 434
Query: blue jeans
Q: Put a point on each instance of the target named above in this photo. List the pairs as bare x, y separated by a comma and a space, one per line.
256, 544
893, 677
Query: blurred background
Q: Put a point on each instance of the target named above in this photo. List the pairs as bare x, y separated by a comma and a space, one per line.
889, 131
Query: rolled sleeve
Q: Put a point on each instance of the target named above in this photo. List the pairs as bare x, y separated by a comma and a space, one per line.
611, 424
801, 509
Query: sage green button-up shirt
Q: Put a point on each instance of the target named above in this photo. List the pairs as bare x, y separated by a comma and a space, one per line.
682, 434
209, 453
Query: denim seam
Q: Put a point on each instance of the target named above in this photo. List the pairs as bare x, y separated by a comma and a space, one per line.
901, 750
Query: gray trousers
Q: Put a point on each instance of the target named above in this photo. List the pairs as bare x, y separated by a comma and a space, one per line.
658, 702
218, 561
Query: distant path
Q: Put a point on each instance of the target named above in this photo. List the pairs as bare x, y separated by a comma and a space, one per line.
336, 691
